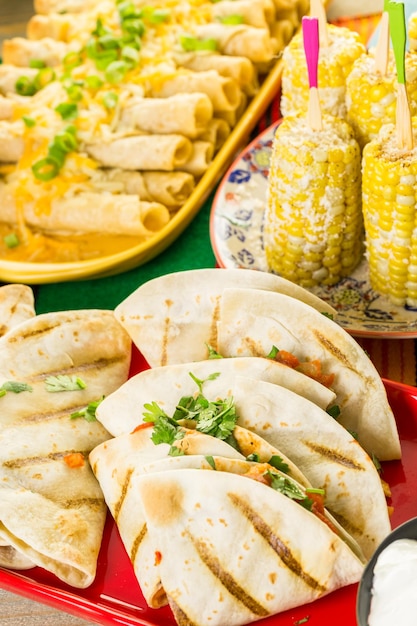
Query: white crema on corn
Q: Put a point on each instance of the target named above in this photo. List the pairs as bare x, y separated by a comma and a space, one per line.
313, 228
389, 206
334, 66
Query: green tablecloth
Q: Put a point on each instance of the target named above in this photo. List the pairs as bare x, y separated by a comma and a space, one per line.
192, 250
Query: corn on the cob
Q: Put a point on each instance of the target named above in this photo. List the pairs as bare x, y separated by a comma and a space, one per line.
371, 97
335, 64
313, 230
389, 206
412, 32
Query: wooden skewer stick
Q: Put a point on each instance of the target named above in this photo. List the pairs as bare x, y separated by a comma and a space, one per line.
317, 10
404, 126
382, 47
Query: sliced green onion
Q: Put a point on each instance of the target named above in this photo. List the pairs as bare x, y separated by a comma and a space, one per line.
108, 41
94, 82
130, 55
29, 121
116, 71
44, 77
72, 59
128, 10
104, 59
192, 44
110, 100
12, 240
75, 93
25, 86
67, 110
46, 169
37, 63
159, 16
231, 19
134, 26
57, 154
66, 141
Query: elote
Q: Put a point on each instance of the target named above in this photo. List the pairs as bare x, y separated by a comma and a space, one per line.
389, 206
313, 230
335, 63
371, 96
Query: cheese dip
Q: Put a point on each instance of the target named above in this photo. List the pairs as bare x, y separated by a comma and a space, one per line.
394, 590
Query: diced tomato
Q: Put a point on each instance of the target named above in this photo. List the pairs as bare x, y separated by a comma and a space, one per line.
286, 358
142, 426
313, 370
74, 459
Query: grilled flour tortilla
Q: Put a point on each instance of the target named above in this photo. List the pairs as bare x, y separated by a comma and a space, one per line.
171, 318
52, 509
232, 550
326, 454
16, 305
122, 410
249, 326
119, 462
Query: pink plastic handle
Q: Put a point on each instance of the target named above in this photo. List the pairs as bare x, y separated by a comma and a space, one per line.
310, 27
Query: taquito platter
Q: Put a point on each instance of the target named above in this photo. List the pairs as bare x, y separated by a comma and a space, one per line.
118, 119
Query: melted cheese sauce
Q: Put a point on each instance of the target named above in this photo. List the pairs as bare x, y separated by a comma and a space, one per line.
394, 591
41, 248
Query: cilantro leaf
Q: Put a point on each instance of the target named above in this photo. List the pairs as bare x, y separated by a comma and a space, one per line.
279, 464
153, 412
288, 488
63, 382
212, 353
88, 412
14, 386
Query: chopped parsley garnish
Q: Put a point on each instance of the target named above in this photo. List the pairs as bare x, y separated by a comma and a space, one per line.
63, 382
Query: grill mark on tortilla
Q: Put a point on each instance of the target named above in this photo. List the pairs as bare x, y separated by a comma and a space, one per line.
213, 325
181, 617
137, 542
226, 579
41, 329
334, 350
125, 486
347, 524
76, 502
279, 547
333, 455
100, 364
3, 330
52, 456
49, 416
165, 334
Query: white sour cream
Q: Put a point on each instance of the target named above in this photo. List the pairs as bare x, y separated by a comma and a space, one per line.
394, 590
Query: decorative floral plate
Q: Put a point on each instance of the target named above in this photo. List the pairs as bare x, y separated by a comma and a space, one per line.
236, 233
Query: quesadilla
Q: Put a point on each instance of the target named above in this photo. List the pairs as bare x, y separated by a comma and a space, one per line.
16, 305
119, 463
172, 318
232, 550
249, 326
54, 369
301, 432
122, 410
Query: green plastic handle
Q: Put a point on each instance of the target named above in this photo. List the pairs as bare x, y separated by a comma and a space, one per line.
398, 32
